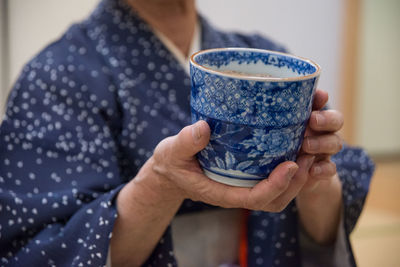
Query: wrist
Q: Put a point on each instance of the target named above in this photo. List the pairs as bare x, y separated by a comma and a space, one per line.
145, 210
319, 210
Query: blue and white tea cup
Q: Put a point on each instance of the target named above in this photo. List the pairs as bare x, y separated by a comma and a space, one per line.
257, 104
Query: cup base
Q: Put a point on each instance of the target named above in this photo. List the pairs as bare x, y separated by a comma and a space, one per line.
230, 181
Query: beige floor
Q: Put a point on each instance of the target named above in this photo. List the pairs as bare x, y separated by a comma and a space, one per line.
376, 239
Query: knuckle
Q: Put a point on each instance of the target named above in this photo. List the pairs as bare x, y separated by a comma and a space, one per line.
333, 144
339, 142
162, 156
313, 119
340, 120
163, 147
333, 169
336, 118
183, 130
307, 144
158, 169
328, 169
158, 166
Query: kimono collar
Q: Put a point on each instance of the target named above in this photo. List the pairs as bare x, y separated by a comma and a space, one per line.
125, 19
194, 46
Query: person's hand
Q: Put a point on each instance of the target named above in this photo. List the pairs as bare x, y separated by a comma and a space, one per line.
178, 174
319, 200
321, 140
148, 203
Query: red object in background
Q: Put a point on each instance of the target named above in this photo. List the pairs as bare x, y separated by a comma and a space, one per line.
243, 245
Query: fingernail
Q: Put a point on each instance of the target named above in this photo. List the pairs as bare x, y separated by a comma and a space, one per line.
196, 132
317, 170
291, 172
313, 144
320, 119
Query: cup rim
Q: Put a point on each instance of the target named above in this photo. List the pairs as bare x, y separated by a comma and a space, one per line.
250, 77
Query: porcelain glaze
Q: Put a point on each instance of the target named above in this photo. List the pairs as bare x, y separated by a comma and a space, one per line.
256, 122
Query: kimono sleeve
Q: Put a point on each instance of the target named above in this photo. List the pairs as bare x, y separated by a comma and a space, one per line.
355, 170
59, 172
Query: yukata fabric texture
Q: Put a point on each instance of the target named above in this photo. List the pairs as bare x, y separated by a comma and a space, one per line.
84, 116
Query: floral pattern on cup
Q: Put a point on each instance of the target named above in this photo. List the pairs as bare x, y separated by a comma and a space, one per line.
251, 152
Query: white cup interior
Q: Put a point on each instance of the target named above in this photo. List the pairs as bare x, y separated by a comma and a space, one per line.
255, 64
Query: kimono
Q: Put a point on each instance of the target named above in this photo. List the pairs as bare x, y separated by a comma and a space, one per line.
85, 115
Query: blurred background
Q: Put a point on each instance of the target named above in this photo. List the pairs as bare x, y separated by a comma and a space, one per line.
355, 41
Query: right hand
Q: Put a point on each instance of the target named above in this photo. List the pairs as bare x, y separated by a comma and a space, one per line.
148, 203
177, 174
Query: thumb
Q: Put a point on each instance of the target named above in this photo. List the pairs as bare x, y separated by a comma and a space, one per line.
190, 140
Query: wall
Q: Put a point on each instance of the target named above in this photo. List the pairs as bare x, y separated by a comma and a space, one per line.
3, 52
378, 107
33, 24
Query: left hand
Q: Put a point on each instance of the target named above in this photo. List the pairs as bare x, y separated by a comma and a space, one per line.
321, 141
319, 200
